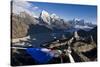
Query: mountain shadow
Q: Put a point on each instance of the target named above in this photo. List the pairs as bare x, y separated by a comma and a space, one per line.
37, 29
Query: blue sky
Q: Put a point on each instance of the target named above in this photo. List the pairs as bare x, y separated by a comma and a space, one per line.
69, 11
65, 11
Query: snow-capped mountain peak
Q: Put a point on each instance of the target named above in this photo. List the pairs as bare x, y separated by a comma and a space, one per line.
52, 20
45, 17
76, 19
45, 13
54, 16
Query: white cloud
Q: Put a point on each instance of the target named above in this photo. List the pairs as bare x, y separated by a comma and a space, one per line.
35, 8
21, 6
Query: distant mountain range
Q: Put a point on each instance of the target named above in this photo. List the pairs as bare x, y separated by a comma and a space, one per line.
81, 24
23, 24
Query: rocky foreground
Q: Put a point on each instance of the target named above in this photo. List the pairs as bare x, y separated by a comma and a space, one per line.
83, 48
